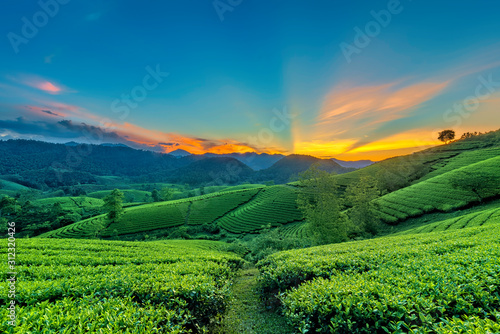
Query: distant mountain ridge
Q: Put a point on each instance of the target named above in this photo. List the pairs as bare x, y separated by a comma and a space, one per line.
179, 153
354, 164
44, 165
290, 166
253, 160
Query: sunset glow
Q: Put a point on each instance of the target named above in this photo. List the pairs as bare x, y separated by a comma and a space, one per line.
281, 86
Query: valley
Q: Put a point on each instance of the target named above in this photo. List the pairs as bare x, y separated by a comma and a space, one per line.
237, 253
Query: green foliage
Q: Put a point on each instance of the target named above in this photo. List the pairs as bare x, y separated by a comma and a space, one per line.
360, 196
8, 206
417, 283
272, 241
156, 196
320, 202
113, 203
118, 287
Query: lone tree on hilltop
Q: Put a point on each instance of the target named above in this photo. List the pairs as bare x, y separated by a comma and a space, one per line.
446, 136
113, 203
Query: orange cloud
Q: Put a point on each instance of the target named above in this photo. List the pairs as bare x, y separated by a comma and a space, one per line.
349, 114
360, 109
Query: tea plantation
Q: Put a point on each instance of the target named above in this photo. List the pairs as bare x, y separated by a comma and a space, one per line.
444, 282
117, 287
237, 211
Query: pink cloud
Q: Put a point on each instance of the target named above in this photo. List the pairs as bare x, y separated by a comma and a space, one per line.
42, 84
48, 87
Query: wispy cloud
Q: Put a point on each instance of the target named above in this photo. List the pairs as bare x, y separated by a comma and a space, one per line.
130, 134
349, 111
41, 84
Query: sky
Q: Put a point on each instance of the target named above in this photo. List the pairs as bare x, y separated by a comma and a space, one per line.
345, 79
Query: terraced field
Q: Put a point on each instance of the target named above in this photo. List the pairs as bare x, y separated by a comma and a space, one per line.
481, 218
85, 229
443, 282
295, 230
436, 193
461, 160
273, 206
207, 211
131, 195
75, 204
117, 287
238, 211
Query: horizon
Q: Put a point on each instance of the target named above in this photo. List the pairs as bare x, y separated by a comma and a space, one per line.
363, 81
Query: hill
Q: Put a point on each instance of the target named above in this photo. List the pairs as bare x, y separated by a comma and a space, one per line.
290, 166
252, 160
442, 282
354, 164
48, 166
211, 170
236, 211
421, 185
179, 153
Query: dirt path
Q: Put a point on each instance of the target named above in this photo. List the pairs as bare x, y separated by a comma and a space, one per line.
246, 313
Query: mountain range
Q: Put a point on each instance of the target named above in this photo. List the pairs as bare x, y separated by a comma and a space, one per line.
44, 165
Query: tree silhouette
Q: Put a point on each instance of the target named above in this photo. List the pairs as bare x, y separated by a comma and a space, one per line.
446, 136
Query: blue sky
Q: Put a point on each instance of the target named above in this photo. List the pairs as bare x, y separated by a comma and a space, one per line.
234, 66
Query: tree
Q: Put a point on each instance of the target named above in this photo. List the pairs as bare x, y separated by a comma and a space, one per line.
446, 136
360, 196
113, 203
8, 206
166, 194
56, 210
156, 196
321, 205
